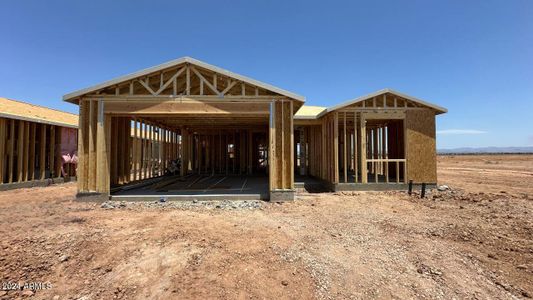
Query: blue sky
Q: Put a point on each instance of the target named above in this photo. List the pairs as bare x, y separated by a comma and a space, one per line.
473, 57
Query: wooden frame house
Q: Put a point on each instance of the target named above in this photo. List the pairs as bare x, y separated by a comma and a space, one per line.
236, 137
33, 141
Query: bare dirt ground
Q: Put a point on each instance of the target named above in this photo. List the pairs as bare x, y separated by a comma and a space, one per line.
473, 241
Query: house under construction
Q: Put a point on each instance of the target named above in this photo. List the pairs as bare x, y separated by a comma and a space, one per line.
236, 137
37, 145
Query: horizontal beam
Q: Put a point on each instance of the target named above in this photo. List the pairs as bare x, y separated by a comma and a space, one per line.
204, 98
179, 108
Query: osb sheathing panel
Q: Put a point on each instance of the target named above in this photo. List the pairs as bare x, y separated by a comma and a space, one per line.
421, 147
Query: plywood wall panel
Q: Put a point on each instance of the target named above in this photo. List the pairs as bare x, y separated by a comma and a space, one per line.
421, 146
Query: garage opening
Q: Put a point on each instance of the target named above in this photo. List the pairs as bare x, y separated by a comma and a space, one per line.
173, 156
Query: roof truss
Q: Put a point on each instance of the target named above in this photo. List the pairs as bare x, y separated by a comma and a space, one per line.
385, 98
183, 77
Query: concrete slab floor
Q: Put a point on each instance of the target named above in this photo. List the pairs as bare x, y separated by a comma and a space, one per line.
203, 185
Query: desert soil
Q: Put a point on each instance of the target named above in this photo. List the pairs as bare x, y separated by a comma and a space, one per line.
473, 241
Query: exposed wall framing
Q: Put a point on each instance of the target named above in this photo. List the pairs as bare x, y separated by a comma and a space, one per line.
29, 151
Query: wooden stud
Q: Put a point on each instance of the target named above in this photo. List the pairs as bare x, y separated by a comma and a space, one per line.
42, 160
291, 150
26, 149
20, 151
82, 155
345, 158
92, 145
336, 147
52, 154
355, 146
363, 140
11, 150
103, 149
3, 137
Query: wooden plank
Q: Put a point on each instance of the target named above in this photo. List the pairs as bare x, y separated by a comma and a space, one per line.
82, 155
20, 151
92, 146
114, 152
11, 150
272, 183
345, 157
3, 139
385, 153
363, 142
26, 150
42, 160
129, 144
135, 150
103, 127
59, 142
355, 148
291, 149
336, 147
52, 153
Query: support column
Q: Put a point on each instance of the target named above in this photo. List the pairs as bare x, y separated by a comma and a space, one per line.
103, 141
91, 176
363, 141
82, 148
281, 155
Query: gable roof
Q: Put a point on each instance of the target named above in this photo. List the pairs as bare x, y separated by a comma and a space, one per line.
437, 108
71, 96
13, 109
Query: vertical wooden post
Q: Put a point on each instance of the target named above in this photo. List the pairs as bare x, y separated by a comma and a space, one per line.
183, 154
134, 150
385, 152
42, 161
92, 145
102, 149
2, 148
355, 146
11, 150
26, 150
345, 157
31, 167
363, 142
336, 147
291, 150
271, 148
52, 154
82, 153
20, 151
375, 152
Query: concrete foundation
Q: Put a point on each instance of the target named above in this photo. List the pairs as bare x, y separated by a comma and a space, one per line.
34, 183
282, 195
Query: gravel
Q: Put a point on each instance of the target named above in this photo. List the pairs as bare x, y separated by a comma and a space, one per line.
194, 204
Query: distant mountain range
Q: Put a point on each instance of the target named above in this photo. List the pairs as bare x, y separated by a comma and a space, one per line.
471, 150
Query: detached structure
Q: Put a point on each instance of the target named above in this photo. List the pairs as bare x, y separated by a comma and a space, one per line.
241, 138
34, 142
